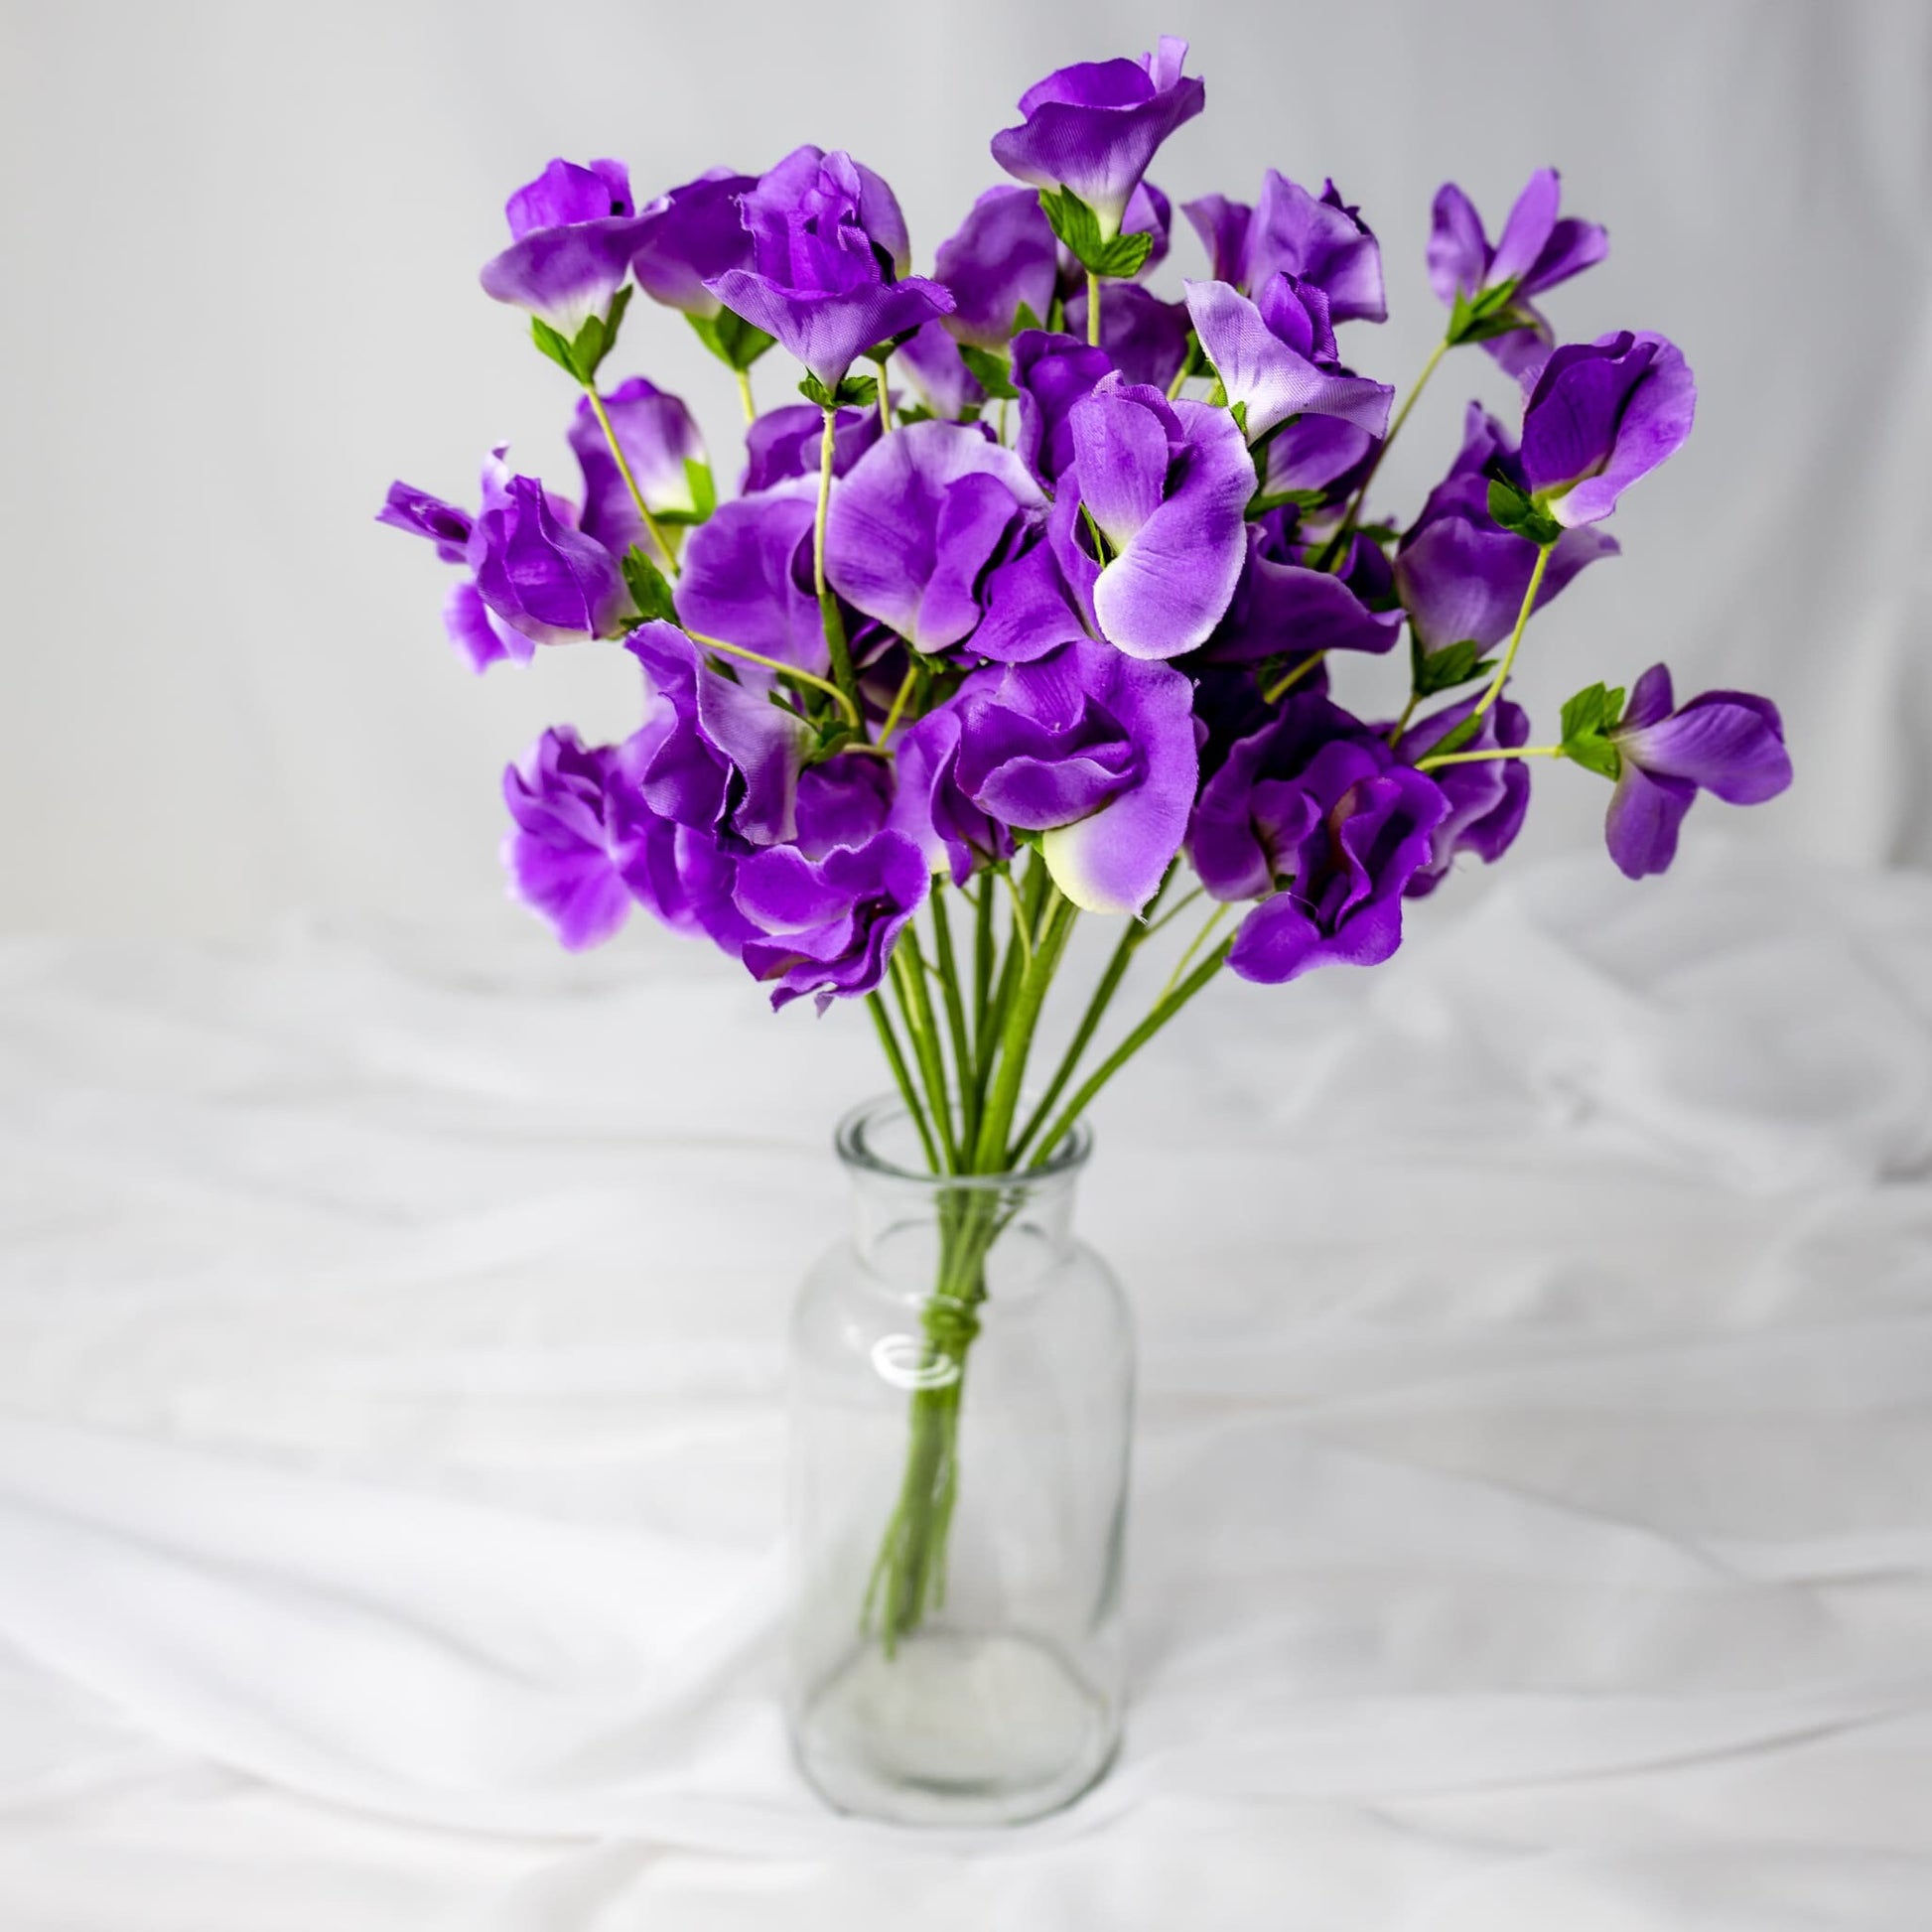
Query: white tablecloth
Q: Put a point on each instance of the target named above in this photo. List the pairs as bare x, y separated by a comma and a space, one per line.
1534, 1511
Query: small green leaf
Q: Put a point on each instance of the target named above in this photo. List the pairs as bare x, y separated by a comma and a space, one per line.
862, 390
992, 372
735, 341
1588, 719
1078, 228
1443, 670
1103, 550
1521, 513
1124, 256
1491, 313
553, 346
1239, 411
1024, 318
649, 589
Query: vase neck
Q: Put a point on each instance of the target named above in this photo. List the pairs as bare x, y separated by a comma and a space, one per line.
914, 1228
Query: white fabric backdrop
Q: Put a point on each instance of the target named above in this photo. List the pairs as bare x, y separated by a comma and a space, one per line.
242, 244
1533, 1522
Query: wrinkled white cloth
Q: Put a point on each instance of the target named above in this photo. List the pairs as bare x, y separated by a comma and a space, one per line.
1533, 1522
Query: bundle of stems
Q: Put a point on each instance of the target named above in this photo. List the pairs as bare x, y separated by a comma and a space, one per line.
962, 1077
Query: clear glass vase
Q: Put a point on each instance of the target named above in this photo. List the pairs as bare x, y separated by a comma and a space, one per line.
962, 1387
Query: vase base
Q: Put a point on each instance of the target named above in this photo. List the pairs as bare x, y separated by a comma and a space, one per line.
958, 1727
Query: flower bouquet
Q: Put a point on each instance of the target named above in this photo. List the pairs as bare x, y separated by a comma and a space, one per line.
1022, 616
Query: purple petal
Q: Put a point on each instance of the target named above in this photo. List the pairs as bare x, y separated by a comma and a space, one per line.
1458, 250
1095, 127
1641, 826
567, 195
1727, 742
1223, 228
691, 235
747, 577
420, 515
1654, 420
829, 333
658, 437
915, 522
479, 633
1270, 380
1052, 372
932, 362
1174, 575
1283, 606
564, 276
1527, 232
1003, 255
786, 443
1315, 240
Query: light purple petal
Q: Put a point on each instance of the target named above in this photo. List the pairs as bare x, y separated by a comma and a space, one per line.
1270, 380
1641, 826
1458, 250
1729, 743
828, 333
747, 577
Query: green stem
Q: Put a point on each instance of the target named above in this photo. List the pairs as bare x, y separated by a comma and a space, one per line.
791, 671
629, 482
1337, 545
1473, 757
899, 697
962, 1047
828, 603
1139, 932
745, 395
885, 404
996, 1125
1289, 679
902, 1077
908, 967
983, 958
1495, 688
1401, 725
1194, 945
1163, 1010
1093, 310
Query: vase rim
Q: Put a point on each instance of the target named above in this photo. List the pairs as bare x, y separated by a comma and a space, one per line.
856, 1140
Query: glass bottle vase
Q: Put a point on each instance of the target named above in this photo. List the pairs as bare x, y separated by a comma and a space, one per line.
962, 1379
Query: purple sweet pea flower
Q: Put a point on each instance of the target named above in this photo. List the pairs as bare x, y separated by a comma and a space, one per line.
748, 578
1143, 338
827, 240
844, 801
1291, 231
1458, 572
1002, 256
1536, 251
1601, 415
535, 569
1236, 840
1281, 606
1052, 372
1166, 486
1730, 743
1091, 749
930, 359
713, 753
690, 236
1348, 831
420, 515
1093, 128
658, 438
786, 443
557, 854
1488, 797
572, 232
827, 927
1276, 357
915, 525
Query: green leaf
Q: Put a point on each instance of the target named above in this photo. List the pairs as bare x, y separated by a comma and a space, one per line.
1443, 670
1104, 550
735, 341
1239, 411
1588, 719
1078, 228
1521, 513
1024, 318
862, 390
1492, 313
553, 346
992, 372
650, 588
